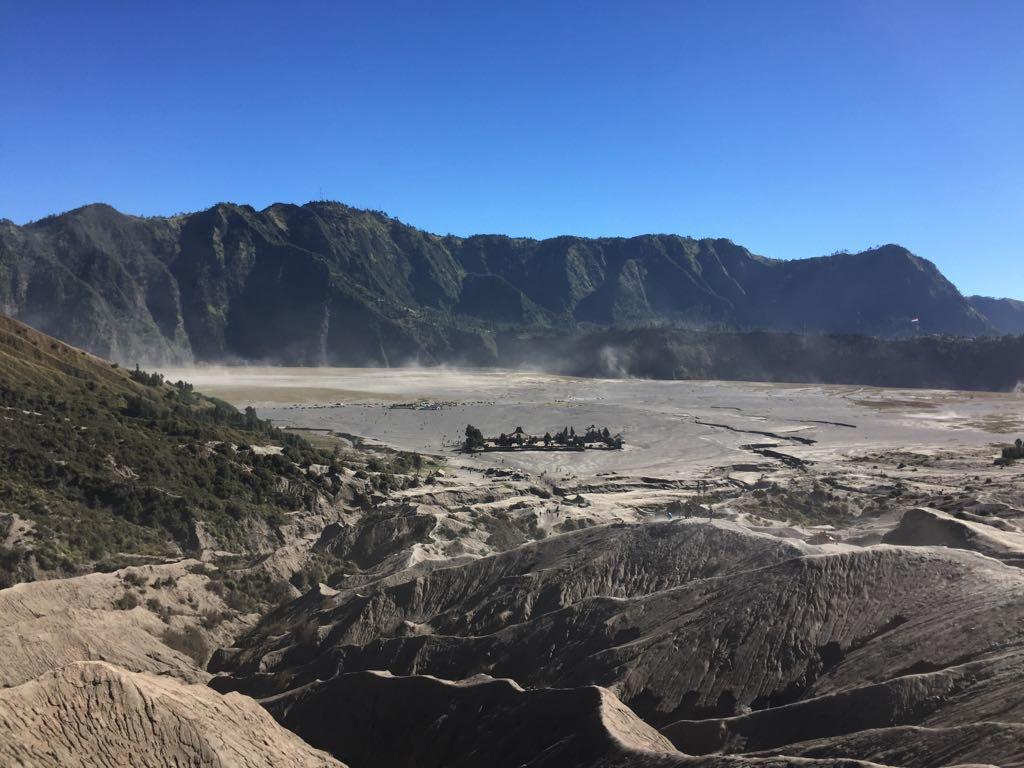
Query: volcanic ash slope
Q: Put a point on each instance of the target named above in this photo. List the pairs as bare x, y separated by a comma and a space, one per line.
376, 720
128, 617
92, 713
299, 642
691, 621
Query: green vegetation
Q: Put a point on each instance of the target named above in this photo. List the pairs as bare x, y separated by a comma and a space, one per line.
127, 601
100, 465
816, 505
322, 567
566, 438
245, 589
189, 641
474, 439
151, 379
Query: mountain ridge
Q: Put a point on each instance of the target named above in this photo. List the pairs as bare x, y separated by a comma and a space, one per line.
1007, 315
328, 283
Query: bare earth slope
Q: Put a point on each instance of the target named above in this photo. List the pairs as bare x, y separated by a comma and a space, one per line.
376, 720
126, 618
696, 645
970, 712
506, 591
98, 714
693, 621
923, 526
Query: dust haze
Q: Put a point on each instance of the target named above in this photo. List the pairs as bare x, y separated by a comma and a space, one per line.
670, 427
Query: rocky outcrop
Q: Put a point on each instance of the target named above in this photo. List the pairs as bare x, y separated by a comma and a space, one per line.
98, 714
372, 541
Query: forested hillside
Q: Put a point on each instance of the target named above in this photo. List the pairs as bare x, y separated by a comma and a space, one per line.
326, 283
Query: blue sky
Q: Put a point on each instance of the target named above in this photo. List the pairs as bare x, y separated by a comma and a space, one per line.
793, 128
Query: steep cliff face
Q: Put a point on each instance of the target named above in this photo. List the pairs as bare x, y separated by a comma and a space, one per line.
97, 279
325, 283
309, 285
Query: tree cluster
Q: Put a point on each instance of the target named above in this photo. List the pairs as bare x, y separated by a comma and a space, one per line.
474, 439
593, 434
1015, 451
567, 437
148, 379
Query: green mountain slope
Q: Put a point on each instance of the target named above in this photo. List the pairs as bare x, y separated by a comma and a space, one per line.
1007, 315
100, 466
325, 283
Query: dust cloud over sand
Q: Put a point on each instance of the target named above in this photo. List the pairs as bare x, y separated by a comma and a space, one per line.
670, 427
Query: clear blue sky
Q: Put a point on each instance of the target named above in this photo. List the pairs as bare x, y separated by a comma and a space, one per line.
794, 128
